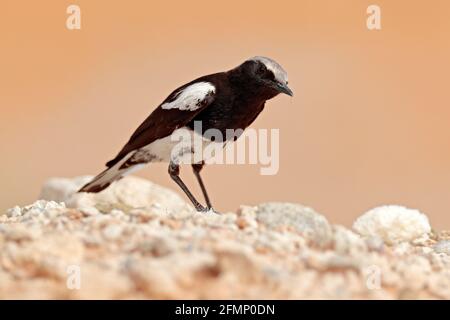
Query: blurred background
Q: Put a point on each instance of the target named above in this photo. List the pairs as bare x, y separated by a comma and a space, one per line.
368, 125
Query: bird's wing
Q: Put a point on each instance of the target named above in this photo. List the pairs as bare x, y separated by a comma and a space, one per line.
179, 108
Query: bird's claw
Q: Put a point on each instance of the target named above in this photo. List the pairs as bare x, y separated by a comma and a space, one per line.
206, 210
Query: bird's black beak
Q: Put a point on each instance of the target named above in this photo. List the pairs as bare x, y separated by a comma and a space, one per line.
283, 88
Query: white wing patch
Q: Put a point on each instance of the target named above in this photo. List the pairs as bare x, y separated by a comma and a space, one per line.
191, 97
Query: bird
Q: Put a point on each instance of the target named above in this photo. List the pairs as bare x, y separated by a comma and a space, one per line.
222, 101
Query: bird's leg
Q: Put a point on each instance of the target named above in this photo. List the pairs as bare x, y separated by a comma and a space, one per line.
197, 167
174, 172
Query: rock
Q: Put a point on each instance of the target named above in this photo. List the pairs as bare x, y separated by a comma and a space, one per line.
346, 241
37, 208
62, 189
246, 222
125, 194
393, 224
117, 246
112, 232
442, 247
302, 219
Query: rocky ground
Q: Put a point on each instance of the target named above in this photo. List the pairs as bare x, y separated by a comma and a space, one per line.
139, 240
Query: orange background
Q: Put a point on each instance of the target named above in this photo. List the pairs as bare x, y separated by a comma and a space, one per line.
368, 124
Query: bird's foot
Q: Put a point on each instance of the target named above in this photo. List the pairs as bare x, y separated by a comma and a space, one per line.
203, 209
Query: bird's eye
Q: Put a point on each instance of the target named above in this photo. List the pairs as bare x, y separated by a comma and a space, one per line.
261, 69
270, 75
264, 73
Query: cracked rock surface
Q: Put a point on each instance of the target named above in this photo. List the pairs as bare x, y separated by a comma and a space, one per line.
140, 240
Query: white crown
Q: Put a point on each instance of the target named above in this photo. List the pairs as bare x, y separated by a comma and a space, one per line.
278, 71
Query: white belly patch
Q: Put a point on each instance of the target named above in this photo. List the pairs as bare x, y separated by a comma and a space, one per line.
183, 146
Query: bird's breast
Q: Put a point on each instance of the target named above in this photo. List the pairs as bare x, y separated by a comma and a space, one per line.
222, 117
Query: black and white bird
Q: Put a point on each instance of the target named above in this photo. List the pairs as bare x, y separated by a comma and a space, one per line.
221, 101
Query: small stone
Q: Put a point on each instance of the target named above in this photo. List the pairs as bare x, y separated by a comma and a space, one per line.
442, 246
19, 232
244, 222
39, 209
247, 211
112, 232
346, 241
89, 211
375, 243
172, 223
393, 224
159, 246
303, 219
14, 212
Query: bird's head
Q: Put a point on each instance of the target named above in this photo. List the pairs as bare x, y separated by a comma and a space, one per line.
264, 75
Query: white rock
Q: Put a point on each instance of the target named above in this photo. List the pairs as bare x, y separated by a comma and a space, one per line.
61, 189
112, 231
393, 224
442, 247
346, 241
374, 243
125, 194
305, 220
14, 212
39, 207
89, 211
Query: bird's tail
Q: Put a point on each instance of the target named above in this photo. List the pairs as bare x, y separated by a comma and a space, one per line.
101, 181
105, 178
